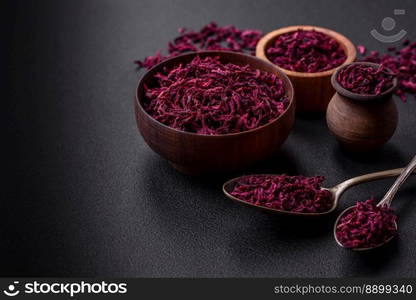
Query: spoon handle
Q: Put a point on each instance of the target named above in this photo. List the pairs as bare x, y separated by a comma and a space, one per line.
343, 186
399, 181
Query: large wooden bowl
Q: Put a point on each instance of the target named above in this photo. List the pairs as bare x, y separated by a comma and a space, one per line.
197, 154
313, 90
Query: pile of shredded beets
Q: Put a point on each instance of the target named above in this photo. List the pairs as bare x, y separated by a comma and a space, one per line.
206, 96
366, 225
210, 37
301, 51
365, 80
283, 192
307, 51
401, 61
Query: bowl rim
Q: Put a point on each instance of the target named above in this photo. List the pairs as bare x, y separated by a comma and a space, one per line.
290, 92
346, 44
361, 97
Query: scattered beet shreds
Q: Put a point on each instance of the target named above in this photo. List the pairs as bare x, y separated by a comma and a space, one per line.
366, 225
283, 192
402, 62
208, 97
210, 37
365, 79
307, 51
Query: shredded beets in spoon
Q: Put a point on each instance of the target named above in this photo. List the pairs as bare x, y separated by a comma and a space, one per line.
366, 225
306, 51
210, 37
208, 97
283, 192
403, 63
365, 80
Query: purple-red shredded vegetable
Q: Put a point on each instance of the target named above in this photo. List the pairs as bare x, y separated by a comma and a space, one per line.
365, 79
402, 62
206, 96
300, 51
283, 192
210, 37
366, 225
306, 51
361, 49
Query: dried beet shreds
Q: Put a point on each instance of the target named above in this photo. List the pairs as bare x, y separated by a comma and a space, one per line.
365, 79
307, 51
210, 37
208, 97
283, 192
403, 63
366, 225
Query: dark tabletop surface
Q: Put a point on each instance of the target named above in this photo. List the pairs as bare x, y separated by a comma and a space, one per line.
85, 196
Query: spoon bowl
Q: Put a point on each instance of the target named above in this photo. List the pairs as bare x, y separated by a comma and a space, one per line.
386, 201
357, 248
336, 191
229, 186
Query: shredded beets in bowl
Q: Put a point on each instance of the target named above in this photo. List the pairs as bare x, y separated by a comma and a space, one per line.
208, 97
283, 192
307, 51
401, 61
365, 79
210, 37
366, 225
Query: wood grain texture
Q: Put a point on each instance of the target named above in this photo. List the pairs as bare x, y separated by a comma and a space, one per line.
313, 90
197, 154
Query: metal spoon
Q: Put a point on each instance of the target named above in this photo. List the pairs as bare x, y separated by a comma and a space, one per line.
387, 199
336, 191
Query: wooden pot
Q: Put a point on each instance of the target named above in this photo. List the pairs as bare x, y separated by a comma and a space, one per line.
313, 90
361, 122
197, 154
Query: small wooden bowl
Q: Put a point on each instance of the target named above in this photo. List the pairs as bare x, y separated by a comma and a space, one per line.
197, 154
359, 122
313, 90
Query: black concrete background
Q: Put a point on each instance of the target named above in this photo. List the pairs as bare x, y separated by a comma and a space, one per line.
85, 196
